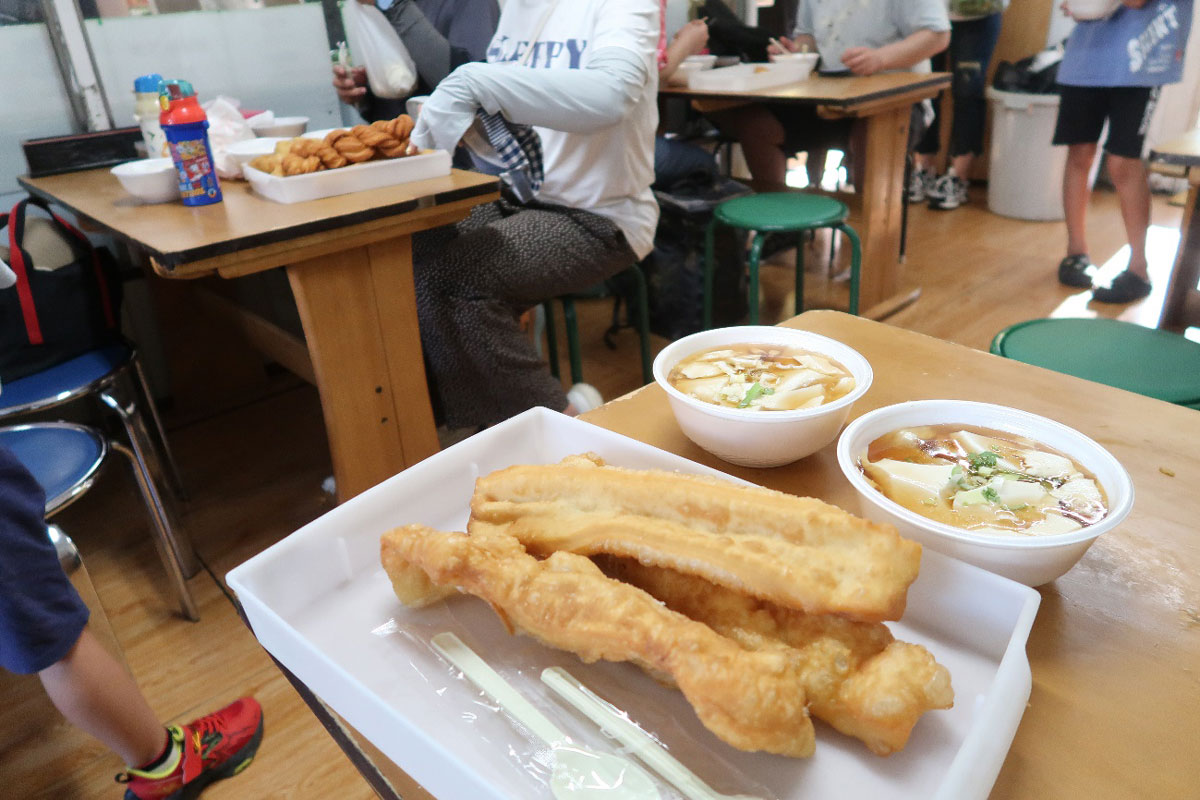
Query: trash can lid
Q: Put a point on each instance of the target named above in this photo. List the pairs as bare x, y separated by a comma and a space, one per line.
1021, 99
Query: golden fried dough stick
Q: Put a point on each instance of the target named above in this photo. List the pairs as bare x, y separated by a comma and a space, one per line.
750, 699
796, 551
300, 165
270, 164
857, 677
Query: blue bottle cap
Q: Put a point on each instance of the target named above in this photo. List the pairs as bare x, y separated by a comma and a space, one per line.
148, 83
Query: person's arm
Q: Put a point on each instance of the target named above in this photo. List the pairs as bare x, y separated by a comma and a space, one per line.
910, 50
688, 41
585, 100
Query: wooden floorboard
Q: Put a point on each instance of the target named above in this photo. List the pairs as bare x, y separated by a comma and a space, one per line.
255, 475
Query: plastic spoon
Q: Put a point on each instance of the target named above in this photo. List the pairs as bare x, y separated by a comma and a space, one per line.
578, 773
643, 745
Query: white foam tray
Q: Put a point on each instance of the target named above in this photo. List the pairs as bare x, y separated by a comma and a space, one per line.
348, 179
749, 77
319, 599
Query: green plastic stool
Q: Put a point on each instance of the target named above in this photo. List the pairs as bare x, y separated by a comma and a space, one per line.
1150, 362
779, 212
641, 322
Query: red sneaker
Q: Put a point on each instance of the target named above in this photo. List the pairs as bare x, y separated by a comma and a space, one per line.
217, 746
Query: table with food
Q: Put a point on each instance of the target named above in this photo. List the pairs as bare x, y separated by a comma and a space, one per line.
884, 102
716, 587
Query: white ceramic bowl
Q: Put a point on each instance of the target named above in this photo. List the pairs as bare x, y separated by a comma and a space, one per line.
243, 151
1093, 9
282, 126
1031, 560
151, 180
760, 438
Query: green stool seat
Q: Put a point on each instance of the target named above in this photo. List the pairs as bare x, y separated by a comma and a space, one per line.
1151, 362
779, 212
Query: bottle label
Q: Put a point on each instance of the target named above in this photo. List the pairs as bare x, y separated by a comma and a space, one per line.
197, 178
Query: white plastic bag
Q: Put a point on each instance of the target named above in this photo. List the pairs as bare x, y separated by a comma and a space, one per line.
375, 45
226, 125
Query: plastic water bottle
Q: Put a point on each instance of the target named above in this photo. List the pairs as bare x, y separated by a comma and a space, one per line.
145, 114
186, 127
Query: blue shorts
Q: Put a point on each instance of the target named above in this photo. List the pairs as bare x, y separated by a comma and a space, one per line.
41, 615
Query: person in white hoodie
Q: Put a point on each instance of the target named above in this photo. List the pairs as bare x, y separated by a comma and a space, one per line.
583, 73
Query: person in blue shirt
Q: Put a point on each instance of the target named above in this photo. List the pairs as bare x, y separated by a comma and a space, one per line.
1112, 71
440, 35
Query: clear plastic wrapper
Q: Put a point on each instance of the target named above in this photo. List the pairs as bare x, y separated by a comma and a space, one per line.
527, 754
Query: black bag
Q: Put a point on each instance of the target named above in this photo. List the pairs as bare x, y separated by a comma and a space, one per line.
50, 317
675, 268
729, 36
1033, 75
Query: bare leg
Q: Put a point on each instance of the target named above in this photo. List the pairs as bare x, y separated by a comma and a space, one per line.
1076, 195
1130, 177
962, 164
97, 695
924, 161
761, 135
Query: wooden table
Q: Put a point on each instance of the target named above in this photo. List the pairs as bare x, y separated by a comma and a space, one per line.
1115, 650
349, 262
884, 102
1181, 307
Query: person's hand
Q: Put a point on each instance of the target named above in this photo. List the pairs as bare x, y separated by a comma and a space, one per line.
863, 60
786, 42
351, 83
692, 38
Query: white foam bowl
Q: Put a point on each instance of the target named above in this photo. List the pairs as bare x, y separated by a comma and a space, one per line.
1031, 560
151, 180
806, 61
760, 438
690, 65
282, 126
247, 149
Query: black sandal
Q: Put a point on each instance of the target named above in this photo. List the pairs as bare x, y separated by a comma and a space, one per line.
1125, 288
1076, 271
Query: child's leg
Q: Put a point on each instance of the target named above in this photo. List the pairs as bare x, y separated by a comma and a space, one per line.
1132, 181
1076, 195
95, 693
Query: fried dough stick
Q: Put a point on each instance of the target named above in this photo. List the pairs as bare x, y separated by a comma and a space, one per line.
858, 678
795, 551
750, 699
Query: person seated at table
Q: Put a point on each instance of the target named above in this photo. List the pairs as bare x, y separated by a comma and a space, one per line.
440, 35
676, 160
583, 74
43, 630
862, 38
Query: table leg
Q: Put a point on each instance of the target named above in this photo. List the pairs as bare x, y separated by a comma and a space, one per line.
359, 312
1181, 308
886, 149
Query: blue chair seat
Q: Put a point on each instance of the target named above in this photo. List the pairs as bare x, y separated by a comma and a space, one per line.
60, 383
63, 458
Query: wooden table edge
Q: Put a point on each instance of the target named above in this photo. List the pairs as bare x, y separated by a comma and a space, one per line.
937, 82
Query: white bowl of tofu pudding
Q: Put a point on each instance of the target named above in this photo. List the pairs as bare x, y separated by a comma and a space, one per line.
761, 396
1009, 491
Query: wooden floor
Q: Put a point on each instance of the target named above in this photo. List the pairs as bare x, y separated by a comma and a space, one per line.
255, 473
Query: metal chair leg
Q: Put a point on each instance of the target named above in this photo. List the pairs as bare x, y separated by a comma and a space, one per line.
855, 264
755, 252
572, 325
551, 337
643, 323
799, 304
170, 551
172, 467
709, 268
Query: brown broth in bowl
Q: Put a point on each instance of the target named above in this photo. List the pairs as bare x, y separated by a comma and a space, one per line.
983, 480
762, 377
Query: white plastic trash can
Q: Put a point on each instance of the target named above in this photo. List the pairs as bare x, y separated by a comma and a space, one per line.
1025, 170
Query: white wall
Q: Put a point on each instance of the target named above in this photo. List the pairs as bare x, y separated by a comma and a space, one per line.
273, 58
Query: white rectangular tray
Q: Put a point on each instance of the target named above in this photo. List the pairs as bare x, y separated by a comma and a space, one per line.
319, 600
749, 77
348, 179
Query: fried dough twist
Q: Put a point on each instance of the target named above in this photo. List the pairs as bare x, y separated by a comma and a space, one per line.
752, 699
